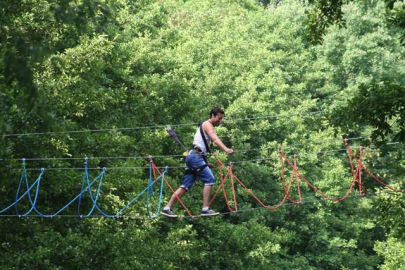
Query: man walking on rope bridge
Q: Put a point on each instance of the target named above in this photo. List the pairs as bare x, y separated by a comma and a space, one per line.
197, 166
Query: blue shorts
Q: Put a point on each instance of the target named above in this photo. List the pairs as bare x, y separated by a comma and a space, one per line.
193, 161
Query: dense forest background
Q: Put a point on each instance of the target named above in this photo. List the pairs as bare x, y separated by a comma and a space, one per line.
102, 78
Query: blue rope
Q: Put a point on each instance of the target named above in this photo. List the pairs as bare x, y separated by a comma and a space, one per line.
81, 189
85, 187
142, 192
19, 186
147, 189
93, 200
21, 197
33, 202
100, 176
151, 182
27, 192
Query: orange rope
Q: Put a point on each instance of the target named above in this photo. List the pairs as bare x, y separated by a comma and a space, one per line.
221, 166
367, 171
170, 187
317, 189
226, 173
233, 192
297, 181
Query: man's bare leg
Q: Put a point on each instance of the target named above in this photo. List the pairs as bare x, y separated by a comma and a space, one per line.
179, 192
206, 196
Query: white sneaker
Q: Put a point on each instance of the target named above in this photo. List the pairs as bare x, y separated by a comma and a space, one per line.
209, 212
168, 213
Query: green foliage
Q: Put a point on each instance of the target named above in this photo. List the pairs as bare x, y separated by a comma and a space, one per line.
99, 66
397, 13
391, 208
393, 251
366, 81
320, 15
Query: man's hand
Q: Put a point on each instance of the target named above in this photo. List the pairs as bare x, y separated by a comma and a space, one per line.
229, 151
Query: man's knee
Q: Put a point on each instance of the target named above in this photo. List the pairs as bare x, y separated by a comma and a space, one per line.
183, 189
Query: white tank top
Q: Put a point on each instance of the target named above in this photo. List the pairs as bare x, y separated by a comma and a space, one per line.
198, 140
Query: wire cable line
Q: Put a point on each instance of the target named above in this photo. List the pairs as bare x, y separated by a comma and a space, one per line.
156, 126
180, 155
298, 154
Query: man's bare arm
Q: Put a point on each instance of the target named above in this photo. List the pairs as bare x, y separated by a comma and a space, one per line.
208, 128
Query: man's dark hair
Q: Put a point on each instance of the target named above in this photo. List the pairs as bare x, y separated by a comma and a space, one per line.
216, 111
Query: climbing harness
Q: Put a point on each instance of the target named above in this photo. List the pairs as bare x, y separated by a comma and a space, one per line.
195, 171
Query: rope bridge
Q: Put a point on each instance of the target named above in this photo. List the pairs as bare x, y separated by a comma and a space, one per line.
155, 175
86, 187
